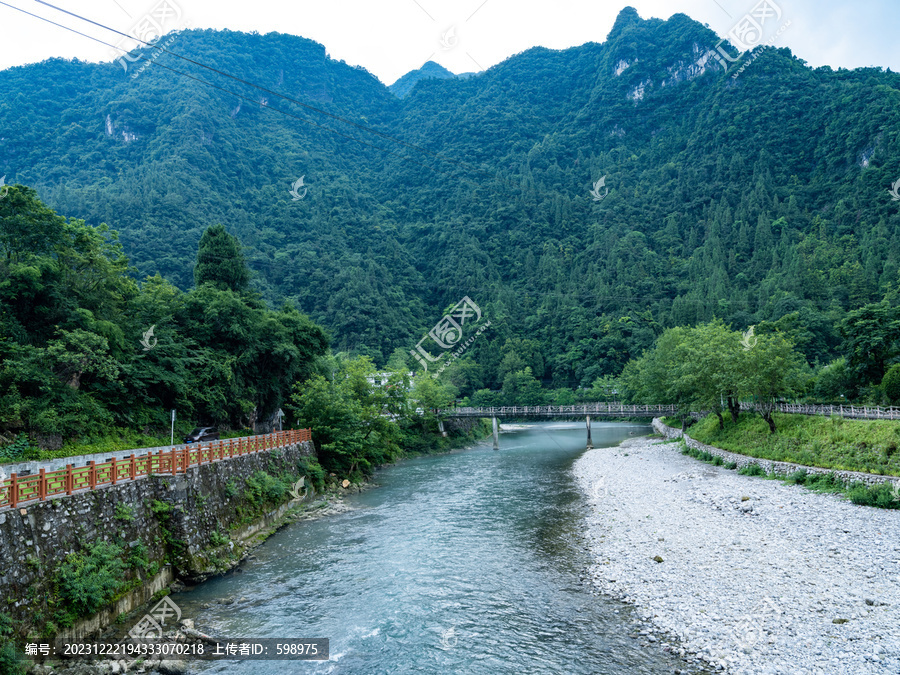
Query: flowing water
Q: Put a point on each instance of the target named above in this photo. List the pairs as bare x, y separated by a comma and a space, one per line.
467, 562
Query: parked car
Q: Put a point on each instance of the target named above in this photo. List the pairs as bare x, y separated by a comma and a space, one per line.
202, 434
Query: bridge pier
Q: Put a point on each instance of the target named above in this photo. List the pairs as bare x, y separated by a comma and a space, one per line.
496, 433
590, 445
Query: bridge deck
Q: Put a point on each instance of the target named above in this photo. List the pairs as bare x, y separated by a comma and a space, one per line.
592, 409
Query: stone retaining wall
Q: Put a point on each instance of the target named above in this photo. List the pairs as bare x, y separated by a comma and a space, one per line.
768, 465
190, 521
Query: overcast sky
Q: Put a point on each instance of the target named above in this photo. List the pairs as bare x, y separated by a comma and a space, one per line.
392, 37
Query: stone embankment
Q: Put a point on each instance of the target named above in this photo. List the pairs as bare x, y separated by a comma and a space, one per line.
768, 465
188, 525
749, 575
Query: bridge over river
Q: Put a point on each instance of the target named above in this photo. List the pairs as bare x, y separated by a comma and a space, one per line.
618, 410
586, 410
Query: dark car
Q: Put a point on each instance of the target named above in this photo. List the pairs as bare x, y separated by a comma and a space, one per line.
201, 434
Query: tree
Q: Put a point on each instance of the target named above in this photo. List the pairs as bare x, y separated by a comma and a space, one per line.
835, 382
432, 394
346, 414
871, 336
891, 384
653, 377
774, 370
220, 261
398, 361
521, 388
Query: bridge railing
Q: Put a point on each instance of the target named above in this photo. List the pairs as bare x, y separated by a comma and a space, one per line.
619, 410
866, 412
20, 490
560, 410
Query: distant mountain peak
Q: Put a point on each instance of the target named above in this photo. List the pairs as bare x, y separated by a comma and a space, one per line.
627, 17
429, 70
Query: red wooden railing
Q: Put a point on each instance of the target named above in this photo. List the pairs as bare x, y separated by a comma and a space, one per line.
15, 490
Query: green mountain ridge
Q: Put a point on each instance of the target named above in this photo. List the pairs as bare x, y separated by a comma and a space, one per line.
429, 69
752, 198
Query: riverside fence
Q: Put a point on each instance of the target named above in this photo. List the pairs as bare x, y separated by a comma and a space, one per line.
862, 412
37, 487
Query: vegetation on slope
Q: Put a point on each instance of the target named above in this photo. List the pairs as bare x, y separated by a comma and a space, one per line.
757, 199
830, 443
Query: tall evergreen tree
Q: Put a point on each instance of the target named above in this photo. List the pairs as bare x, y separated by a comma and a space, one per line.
220, 261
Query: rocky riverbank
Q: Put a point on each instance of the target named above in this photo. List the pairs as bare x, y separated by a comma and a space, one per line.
746, 574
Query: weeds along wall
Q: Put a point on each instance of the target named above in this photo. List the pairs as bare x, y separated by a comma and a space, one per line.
67, 558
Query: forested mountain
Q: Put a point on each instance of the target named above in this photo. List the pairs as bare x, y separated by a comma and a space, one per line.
763, 197
429, 69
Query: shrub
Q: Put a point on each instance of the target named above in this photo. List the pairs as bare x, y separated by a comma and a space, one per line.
216, 538
752, 469
19, 450
882, 496
125, 513
138, 559
824, 481
263, 488
798, 477
313, 471
90, 578
731, 466
231, 489
10, 661
162, 510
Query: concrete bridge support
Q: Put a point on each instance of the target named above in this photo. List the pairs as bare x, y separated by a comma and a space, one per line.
496, 433
590, 445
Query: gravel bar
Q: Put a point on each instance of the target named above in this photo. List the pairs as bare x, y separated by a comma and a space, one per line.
749, 574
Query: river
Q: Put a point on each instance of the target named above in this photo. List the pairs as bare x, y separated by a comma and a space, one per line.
467, 562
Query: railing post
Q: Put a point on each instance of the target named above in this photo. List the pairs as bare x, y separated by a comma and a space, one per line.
92, 474
70, 479
590, 444
13, 490
42, 486
496, 433
114, 470
174, 463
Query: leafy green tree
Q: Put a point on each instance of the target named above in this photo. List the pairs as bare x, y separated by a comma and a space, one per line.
774, 370
891, 384
432, 394
653, 377
871, 335
603, 389
399, 361
521, 388
220, 261
563, 397
835, 382
348, 417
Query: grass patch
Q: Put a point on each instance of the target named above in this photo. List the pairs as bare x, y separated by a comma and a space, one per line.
705, 456
885, 495
829, 443
752, 470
